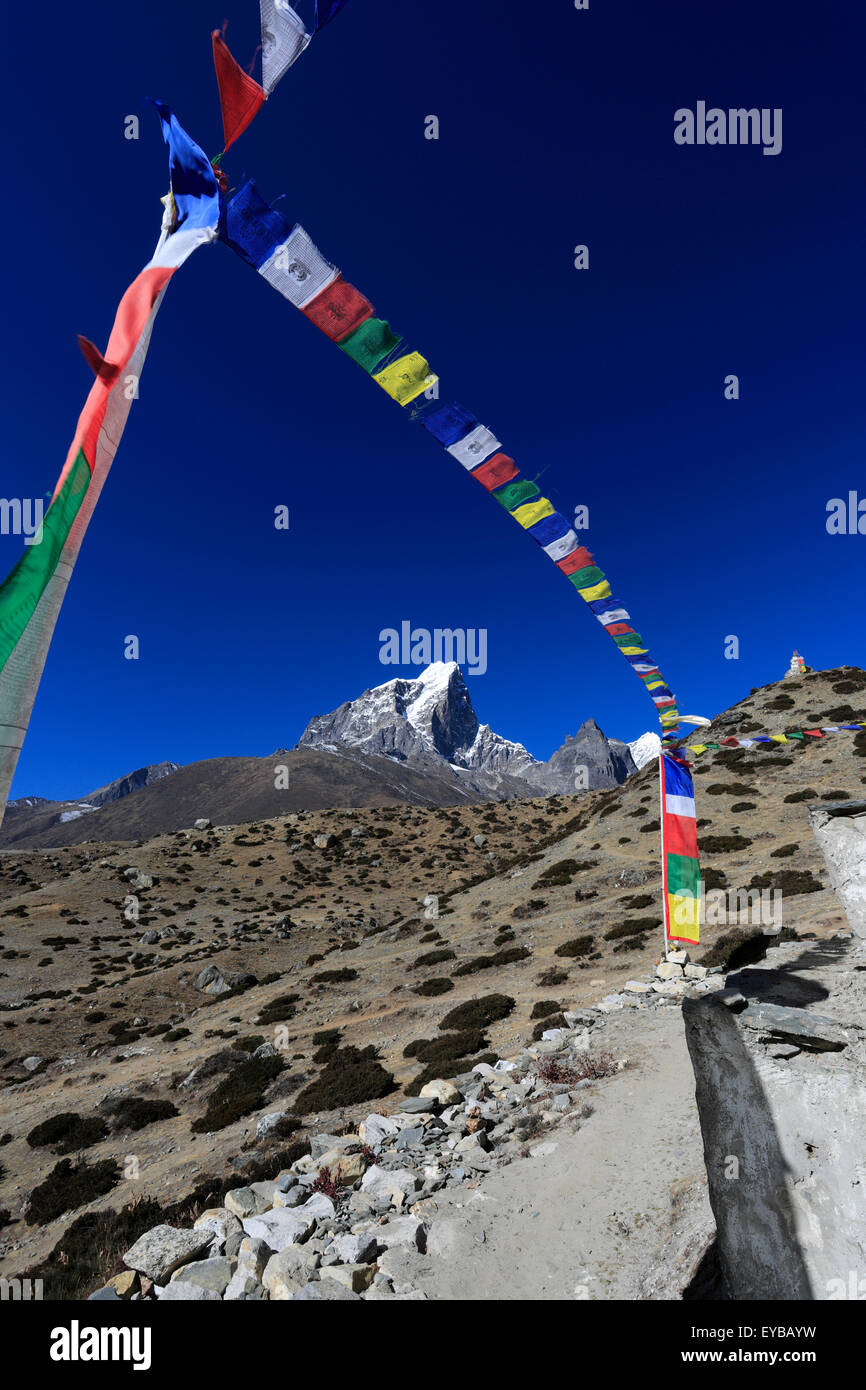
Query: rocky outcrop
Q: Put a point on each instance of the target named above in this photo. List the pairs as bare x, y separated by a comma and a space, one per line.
586, 760
132, 782
431, 719
840, 829
780, 1074
431, 716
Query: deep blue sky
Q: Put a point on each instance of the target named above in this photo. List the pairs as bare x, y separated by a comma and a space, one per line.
556, 129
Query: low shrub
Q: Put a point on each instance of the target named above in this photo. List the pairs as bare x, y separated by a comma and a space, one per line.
238, 1094
328, 1183
278, 1010
544, 1008
433, 1071
713, 878
549, 979
587, 1066
554, 1021
68, 1187
792, 882
478, 1013
505, 957
350, 1076
578, 946
529, 908
135, 1112
93, 1244
433, 958
742, 946
557, 874
451, 1046
428, 989
68, 1133
635, 927
723, 844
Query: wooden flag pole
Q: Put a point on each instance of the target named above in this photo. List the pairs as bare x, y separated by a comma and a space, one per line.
662, 841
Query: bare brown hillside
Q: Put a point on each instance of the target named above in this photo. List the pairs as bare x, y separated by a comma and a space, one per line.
318, 916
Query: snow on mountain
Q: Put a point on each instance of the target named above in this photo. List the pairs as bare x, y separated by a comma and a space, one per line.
645, 749
430, 716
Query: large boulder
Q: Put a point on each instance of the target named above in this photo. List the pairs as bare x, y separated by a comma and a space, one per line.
163, 1249
280, 1227
781, 1094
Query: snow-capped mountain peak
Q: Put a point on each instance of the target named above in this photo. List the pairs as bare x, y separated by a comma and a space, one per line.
429, 718
645, 749
429, 715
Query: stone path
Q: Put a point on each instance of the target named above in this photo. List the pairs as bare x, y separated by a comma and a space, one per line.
589, 1219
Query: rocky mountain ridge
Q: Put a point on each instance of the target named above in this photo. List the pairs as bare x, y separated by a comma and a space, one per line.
409, 741
432, 717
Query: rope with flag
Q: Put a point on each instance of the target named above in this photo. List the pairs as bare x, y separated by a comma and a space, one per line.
289, 260
761, 740
286, 35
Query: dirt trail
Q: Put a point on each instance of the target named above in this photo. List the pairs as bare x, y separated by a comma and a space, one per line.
617, 1204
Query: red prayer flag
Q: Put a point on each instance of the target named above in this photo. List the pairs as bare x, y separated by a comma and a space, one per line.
681, 836
578, 560
496, 471
241, 97
338, 309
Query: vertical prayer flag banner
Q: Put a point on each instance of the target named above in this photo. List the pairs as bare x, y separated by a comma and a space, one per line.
32, 594
681, 870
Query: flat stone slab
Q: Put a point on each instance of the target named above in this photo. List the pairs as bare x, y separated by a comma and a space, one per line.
327, 1289
213, 1274
163, 1249
280, 1227
186, 1293
796, 1025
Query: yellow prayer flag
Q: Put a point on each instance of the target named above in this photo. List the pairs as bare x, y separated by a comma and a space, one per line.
531, 512
406, 378
595, 591
684, 917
